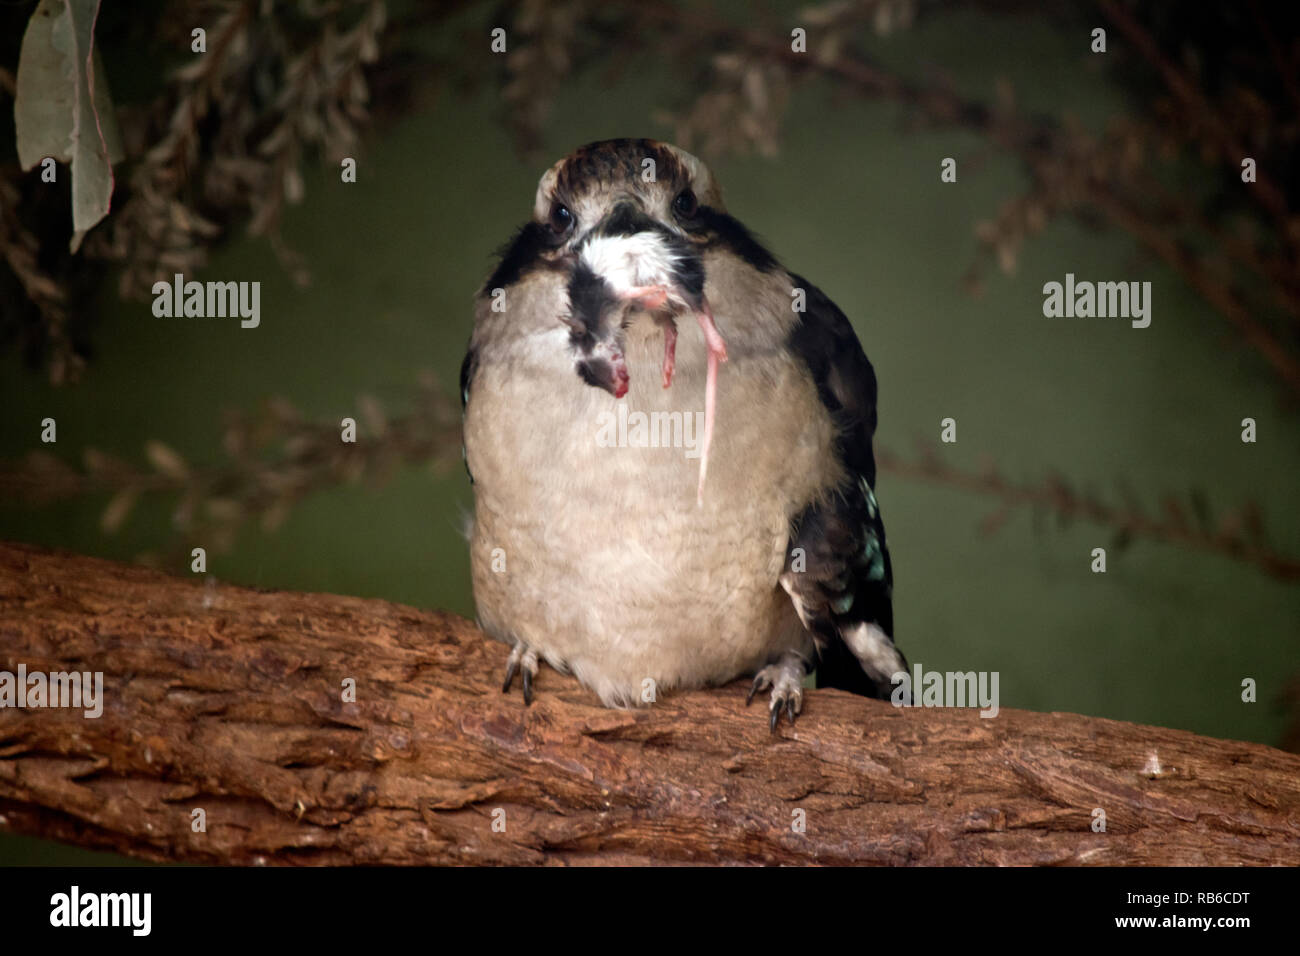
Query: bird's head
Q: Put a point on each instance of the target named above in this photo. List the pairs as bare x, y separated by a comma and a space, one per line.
626, 217
625, 186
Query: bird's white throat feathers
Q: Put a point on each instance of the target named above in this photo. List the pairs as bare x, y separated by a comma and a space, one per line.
628, 263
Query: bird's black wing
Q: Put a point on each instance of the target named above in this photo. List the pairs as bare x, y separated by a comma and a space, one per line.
837, 568
467, 369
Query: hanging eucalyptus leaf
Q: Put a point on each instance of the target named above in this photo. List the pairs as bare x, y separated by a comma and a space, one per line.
62, 107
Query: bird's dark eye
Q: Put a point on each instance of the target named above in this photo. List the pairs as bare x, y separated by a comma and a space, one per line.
685, 205
561, 219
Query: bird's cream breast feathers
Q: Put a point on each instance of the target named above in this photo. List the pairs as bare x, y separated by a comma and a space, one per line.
588, 542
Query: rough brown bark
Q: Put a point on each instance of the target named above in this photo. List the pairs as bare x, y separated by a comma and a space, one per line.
229, 699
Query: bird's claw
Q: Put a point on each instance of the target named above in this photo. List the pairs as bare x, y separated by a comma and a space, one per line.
522, 659
786, 680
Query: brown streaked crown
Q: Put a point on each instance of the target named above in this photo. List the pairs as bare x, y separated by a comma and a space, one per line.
592, 177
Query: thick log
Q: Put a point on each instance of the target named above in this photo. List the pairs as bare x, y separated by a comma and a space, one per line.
230, 700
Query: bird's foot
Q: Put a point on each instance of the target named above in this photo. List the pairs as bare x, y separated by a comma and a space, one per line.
523, 659
786, 680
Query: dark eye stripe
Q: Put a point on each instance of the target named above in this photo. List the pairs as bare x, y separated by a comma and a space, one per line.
723, 230
520, 255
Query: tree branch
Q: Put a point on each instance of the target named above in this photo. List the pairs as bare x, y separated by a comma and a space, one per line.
1237, 534
1196, 103
228, 700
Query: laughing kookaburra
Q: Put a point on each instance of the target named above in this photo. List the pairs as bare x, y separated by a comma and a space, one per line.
669, 439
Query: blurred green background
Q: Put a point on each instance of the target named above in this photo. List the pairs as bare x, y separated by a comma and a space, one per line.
853, 202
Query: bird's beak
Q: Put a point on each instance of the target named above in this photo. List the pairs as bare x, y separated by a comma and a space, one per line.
626, 218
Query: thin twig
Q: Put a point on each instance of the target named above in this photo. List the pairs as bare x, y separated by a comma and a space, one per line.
1056, 496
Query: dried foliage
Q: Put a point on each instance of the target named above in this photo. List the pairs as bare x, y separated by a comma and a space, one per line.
1210, 89
236, 126
20, 250
1187, 521
224, 143
274, 458
226, 139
